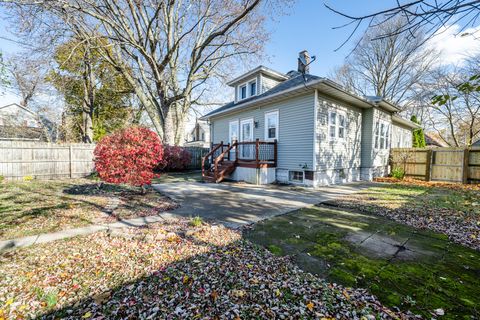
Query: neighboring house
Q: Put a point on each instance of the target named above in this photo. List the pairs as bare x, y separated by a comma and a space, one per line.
19, 123
199, 136
433, 142
476, 143
310, 130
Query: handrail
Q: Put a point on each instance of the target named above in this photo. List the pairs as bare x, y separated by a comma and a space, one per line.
221, 156
210, 154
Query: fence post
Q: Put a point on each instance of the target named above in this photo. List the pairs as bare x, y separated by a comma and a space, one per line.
257, 147
466, 162
70, 154
428, 165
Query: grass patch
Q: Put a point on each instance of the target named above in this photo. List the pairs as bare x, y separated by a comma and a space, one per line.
172, 177
196, 221
440, 275
34, 207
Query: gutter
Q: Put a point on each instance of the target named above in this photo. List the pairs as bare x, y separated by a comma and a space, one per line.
407, 123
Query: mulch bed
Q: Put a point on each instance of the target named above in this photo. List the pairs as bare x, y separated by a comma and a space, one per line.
170, 271
460, 227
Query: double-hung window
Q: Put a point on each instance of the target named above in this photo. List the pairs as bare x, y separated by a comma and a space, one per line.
337, 124
271, 125
253, 88
243, 92
382, 135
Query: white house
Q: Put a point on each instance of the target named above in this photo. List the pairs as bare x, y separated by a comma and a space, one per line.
303, 129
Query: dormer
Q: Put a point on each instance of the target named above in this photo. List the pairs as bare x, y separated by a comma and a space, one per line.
255, 82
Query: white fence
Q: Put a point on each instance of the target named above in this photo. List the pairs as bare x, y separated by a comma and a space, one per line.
19, 159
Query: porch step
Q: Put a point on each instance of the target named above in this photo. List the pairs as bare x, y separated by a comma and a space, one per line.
224, 168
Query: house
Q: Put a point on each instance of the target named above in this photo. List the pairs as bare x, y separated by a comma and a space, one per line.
433, 142
303, 129
199, 136
20, 123
476, 143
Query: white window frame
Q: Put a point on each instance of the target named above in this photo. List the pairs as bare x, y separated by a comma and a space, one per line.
240, 91
250, 87
382, 139
336, 126
267, 115
235, 122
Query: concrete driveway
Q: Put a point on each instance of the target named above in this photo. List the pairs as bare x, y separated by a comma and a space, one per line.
236, 204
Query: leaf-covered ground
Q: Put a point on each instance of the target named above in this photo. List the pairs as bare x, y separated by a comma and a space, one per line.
451, 209
170, 271
35, 207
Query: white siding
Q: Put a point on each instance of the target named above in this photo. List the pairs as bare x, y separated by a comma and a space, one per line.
295, 140
338, 160
401, 137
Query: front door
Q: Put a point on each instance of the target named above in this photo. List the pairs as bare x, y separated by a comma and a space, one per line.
246, 135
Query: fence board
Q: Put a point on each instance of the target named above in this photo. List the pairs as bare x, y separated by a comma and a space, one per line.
19, 159
439, 164
197, 153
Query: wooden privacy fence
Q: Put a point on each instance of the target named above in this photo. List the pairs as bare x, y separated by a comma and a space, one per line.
19, 159
197, 154
439, 164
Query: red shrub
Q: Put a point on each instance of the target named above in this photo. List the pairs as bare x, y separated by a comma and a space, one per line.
128, 156
175, 158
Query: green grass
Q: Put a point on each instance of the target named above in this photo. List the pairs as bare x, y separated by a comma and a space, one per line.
171, 177
34, 207
196, 221
445, 275
397, 195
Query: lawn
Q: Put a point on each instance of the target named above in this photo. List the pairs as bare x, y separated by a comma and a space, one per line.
451, 209
358, 241
34, 207
174, 270
169, 177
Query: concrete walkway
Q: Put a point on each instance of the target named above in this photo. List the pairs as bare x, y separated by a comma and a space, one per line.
236, 204
69, 233
231, 204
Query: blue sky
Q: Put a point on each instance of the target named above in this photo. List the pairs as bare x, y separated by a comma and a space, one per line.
308, 25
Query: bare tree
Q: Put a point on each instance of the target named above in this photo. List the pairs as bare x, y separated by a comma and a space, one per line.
173, 47
28, 75
427, 15
455, 118
389, 67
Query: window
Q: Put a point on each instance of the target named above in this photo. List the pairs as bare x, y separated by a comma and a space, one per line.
341, 126
333, 124
295, 176
203, 136
271, 125
253, 88
233, 131
243, 92
382, 135
337, 124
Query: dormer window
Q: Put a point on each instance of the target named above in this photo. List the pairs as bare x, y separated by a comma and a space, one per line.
253, 88
243, 91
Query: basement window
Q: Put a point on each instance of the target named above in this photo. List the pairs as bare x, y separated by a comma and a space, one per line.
295, 176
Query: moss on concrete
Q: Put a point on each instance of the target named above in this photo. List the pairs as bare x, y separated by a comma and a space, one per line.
434, 274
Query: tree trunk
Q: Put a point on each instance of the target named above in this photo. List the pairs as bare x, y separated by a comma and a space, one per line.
88, 104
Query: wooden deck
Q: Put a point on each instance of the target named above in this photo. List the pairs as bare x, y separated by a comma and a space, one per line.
222, 159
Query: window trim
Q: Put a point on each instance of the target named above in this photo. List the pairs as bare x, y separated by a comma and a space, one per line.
250, 87
230, 130
244, 85
377, 137
337, 125
277, 128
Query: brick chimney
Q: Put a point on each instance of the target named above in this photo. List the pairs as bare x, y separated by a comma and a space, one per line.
303, 61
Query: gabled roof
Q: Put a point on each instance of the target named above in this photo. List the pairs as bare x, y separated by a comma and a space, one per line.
476, 143
260, 69
19, 106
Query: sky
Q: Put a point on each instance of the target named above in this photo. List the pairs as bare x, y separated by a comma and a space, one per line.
308, 25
